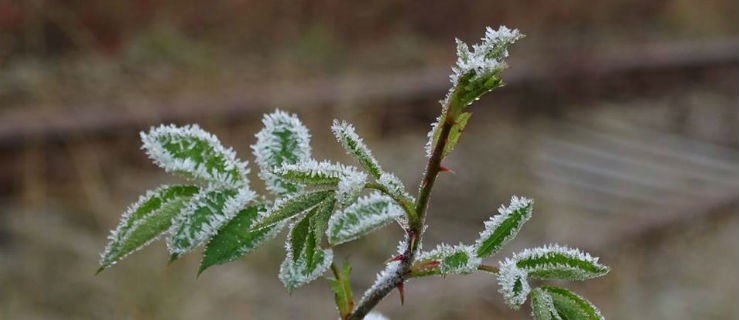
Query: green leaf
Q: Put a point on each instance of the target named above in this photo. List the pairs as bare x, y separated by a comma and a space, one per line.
478, 71
203, 216
446, 259
297, 272
283, 140
553, 262
504, 226
144, 221
514, 285
342, 288
235, 239
542, 306
194, 154
298, 238
569, 305
319, 221
305, 260
456, 132
364, 216
286, 208
355, 147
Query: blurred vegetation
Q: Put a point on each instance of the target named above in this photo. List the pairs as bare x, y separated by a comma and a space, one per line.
61, 52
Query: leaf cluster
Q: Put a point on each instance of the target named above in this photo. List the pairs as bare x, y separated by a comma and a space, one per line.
325, 204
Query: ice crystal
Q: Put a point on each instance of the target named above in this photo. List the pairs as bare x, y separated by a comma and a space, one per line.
355, 146
504, 226
558, 262
194, 153
514, 285
283, 140
367, 214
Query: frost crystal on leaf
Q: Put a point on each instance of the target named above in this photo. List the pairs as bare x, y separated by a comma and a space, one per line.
459, 259
367, 214
559, 263
486, 58
504, 226
433, 135
514, 285
396, 188
348, 180
195, 154
144, 221
355, 147
350, 186
283, 140
207, 212
294, 274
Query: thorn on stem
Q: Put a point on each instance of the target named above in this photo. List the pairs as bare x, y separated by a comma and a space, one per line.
445, 169
401, 290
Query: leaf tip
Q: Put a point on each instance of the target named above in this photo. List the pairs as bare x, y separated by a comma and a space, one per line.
101, 269
172, 258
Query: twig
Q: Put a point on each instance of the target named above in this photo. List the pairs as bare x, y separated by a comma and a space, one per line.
415, 226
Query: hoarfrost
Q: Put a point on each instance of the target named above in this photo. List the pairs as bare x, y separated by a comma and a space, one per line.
355, 146
367, 214
283, 140
514, 285
197, 154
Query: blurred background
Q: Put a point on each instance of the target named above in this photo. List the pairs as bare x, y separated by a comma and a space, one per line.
619, 118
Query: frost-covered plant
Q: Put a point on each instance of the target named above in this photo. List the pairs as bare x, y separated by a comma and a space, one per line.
325, 204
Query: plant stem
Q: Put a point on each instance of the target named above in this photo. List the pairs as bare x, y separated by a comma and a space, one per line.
415, 223
487, 268
334, 270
